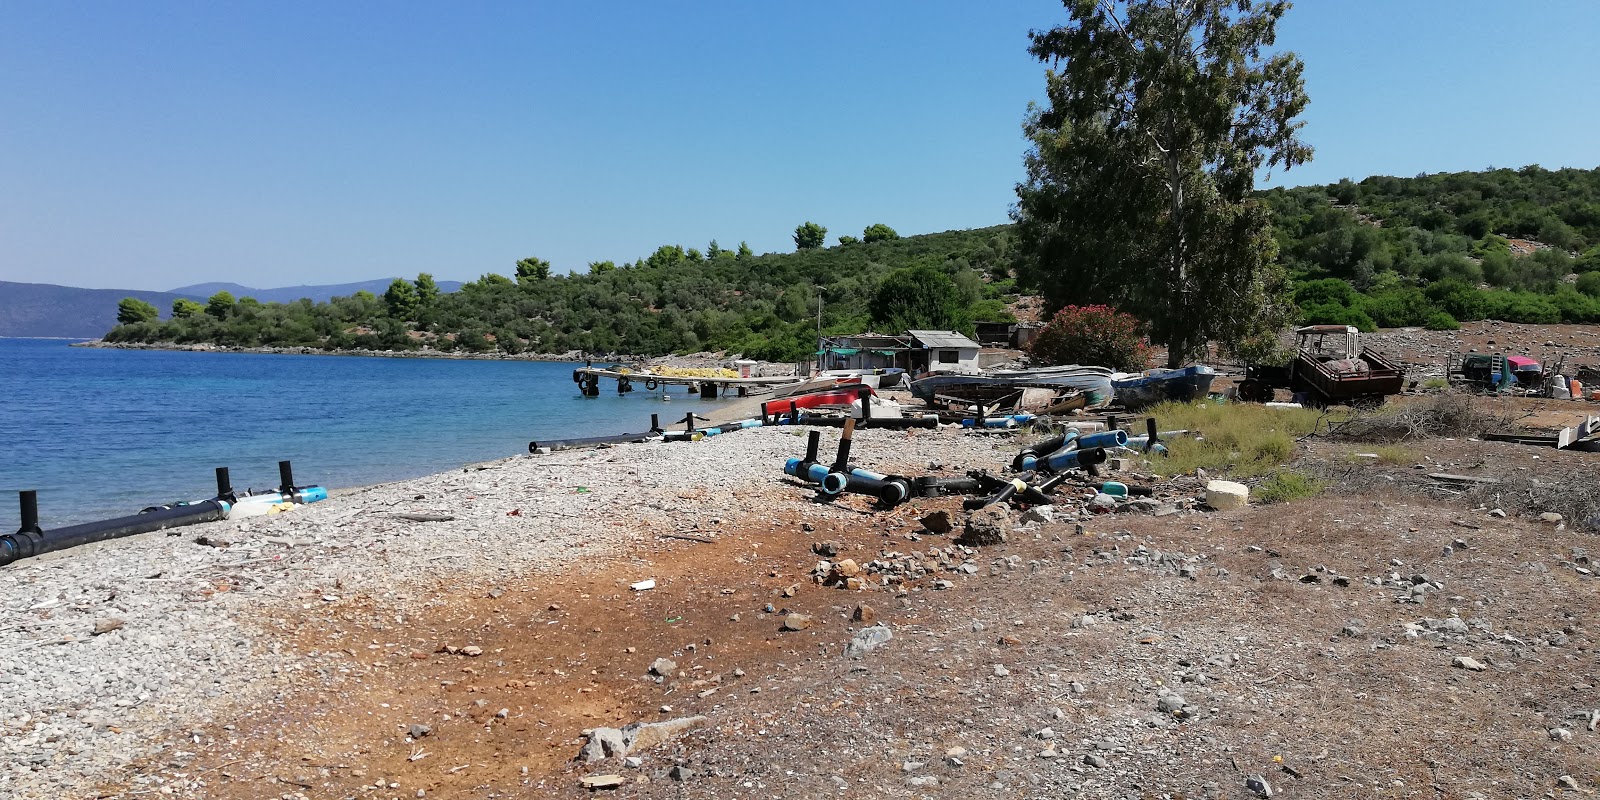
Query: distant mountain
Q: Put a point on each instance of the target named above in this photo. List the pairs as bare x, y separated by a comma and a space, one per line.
47, 310
289, 294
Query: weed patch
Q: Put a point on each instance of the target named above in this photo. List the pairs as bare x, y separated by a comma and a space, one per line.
1243, 440
1285, 486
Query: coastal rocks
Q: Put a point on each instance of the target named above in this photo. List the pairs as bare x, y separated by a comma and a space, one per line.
986, 527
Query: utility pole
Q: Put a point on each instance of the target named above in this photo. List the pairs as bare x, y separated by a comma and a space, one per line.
821, 355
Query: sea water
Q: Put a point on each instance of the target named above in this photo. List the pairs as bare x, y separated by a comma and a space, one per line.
103, 432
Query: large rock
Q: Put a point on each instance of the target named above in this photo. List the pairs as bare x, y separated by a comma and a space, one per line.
986, 526
867, 640
938, 522
616, 743
1227, 495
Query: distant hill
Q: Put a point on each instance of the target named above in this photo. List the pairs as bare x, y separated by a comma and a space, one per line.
47, 310
289, 294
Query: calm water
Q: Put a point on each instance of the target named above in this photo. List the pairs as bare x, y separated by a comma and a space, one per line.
103, 433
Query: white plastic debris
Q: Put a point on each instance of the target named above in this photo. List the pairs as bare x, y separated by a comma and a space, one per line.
644, 586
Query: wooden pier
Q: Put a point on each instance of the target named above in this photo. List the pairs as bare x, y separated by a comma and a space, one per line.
588, 380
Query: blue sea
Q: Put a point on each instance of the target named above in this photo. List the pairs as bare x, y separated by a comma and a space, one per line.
102, 433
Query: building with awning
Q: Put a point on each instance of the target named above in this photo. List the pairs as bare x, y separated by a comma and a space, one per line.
914, 351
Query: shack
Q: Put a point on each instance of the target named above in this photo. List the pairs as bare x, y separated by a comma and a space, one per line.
915, 352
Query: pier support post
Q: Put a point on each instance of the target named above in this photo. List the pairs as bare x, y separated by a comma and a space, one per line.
708, 391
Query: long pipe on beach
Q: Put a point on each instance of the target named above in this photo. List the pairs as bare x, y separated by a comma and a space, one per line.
30, 540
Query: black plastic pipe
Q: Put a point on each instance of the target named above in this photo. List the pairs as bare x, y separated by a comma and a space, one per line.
590, 441
1001, 496
841, 462
813, 443
28, 543
285, 478
225, 486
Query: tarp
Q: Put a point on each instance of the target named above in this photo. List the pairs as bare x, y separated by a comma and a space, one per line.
889, 353
844, 351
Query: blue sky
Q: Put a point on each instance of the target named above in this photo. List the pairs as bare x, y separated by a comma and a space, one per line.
155, 144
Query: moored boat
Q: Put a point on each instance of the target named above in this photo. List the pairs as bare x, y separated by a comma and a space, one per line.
1157, 385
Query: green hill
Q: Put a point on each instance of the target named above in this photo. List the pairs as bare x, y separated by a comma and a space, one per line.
1431, 250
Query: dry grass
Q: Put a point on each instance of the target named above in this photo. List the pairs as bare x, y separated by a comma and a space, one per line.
1243, 440
1286, 485
1441, 415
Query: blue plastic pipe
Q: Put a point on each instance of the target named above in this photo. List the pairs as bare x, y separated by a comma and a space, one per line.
1075, 459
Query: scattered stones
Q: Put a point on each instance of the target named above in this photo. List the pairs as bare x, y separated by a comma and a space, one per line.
867, 640
1464, 662
825, 549
796, 622
606, 743
986, 527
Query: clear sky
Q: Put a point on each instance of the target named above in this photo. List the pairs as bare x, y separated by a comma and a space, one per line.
155, 144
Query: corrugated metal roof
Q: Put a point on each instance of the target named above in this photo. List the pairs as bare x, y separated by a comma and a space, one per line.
942, 339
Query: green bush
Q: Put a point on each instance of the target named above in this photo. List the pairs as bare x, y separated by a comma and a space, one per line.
1285, 486
1440, 321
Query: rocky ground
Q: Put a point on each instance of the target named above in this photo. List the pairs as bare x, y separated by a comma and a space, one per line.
457, 636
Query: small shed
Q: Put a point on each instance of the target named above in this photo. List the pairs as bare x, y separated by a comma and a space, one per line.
947, 351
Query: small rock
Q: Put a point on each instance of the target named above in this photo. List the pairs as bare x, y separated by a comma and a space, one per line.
1550, 517
1171, 704
825, 549
867, 640
1000, 671
472, 651
986, 527
107, 625
1046, 733
796, 622
938, 522
633, 762
680, 773
864, 613
1095, 760
1560, 735
663, 667
1568, 782
602, 781
922, 781
1040, 514
418, 730
1499, 512
496, 593
1463, 662
846, 568
1259, 785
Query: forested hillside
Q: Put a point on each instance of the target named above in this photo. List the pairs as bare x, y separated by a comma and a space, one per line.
1437, 249
1431, 250
676, 300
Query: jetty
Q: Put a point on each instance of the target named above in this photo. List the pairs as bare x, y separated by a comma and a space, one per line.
588, 380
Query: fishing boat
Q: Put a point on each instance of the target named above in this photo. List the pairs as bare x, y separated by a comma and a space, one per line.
1093, 382
1157, 385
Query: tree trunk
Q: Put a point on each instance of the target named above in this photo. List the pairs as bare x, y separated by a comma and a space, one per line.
1178, 347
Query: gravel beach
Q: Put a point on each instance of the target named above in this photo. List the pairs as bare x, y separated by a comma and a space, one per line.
111, 653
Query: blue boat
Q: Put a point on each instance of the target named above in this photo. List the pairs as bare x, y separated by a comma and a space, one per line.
1158, 385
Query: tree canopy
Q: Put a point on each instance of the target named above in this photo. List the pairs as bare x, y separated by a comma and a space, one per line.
1139, 178
878, 232
807, 236
131, 310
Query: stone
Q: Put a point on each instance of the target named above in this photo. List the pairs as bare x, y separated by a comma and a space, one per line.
1000, 671
1227, 495
1095, 760
633, 762
943, 584
603, 743
663, 667
107, 624
825, 549
1171, 704
1551, 517
1463, 662
1498, 512
1258, 784
215, 540
986, 527
1046, 733
864, 613
867, 640
680, 773
846, 569
796, 622
1101, 503
645, 735
418, 730
922, 781
1560, 735
1568, 782
1040, 514
602, 781
472, 651
937, 522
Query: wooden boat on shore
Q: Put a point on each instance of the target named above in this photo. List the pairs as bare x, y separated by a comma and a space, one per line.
1093, 382
1159, 385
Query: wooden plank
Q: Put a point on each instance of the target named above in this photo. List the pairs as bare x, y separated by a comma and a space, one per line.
1445, 476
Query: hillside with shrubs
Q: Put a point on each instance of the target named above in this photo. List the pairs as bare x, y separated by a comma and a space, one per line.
1519, 245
